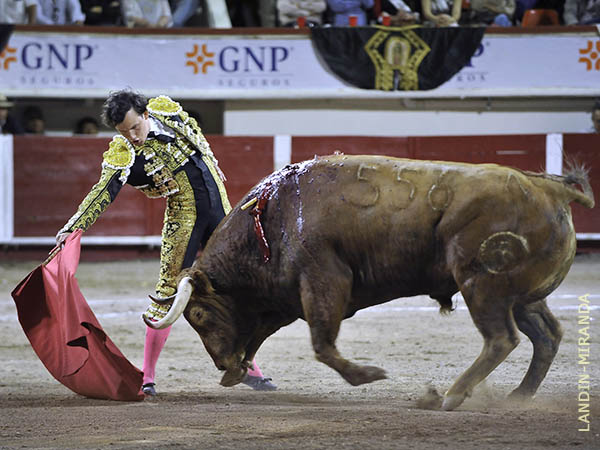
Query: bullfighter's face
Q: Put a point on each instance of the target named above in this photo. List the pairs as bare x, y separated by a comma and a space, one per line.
216, 327
135, 127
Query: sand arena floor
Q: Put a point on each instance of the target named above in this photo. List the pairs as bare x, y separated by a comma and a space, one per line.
314, 407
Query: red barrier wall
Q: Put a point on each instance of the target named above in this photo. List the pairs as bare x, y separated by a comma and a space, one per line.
585, 148
53, 174
523, 151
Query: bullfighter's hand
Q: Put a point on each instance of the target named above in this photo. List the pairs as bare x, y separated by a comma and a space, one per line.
61, 238
444, 20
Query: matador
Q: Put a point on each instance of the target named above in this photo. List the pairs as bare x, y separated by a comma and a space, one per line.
162, 152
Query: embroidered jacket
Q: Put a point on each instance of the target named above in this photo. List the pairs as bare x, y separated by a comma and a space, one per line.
152, 166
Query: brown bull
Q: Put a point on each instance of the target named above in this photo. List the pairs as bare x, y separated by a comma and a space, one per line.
342, 233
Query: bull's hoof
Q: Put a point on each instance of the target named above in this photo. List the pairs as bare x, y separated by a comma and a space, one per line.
364, 374
452, 402
233, 377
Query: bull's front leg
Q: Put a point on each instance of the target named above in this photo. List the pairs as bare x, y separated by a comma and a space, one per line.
324, 300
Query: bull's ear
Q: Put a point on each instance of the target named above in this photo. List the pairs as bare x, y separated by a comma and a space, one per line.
202, 285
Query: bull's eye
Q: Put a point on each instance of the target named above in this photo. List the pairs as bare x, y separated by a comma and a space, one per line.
197, 314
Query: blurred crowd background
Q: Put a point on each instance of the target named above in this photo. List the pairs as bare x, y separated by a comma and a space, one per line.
286, 13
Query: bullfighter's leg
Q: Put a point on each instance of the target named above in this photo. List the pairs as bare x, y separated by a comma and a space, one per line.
494, 320
325, 295
545, 332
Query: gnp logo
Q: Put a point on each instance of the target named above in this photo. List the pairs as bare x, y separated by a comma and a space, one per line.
590, 55
47, 56
233, 59
7, 57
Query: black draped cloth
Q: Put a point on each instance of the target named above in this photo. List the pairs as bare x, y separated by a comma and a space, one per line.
385, 58
5, 32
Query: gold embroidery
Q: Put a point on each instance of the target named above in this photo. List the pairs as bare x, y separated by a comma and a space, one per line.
93, 204
403, 54
180, 218
219, 183
192, 134
163, 105
120, 155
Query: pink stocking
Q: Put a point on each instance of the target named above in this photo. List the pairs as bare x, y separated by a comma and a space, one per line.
256, 371
155, 341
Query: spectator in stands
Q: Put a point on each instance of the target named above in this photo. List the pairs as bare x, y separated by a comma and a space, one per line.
311, 10
161, 151
491, 12
86, 125
147, 13
520, 8
59, 12
267, 13
244, 13
581, 12
401, 13
596, 117
343, 9
18, 11
8, 124
441, 13
183, 11
33, 117
102, 12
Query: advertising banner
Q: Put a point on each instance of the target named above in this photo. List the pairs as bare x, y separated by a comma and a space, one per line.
215, 66
532, 62
73, 64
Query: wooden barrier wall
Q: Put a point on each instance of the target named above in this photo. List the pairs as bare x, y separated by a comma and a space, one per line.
52, 174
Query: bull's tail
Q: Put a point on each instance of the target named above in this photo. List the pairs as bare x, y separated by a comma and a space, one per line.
578, 174
565, 186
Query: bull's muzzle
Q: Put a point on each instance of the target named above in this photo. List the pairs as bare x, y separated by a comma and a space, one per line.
235, 370
184, 292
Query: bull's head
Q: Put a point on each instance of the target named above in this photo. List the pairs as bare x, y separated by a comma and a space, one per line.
214, 319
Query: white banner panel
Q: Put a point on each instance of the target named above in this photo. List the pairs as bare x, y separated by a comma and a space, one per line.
532, 61
47, 61
274, 66
6, 187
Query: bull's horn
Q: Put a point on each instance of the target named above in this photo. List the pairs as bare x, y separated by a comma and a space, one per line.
184, 292
162, 299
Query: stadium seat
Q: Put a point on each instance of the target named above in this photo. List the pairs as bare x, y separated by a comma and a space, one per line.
540, 17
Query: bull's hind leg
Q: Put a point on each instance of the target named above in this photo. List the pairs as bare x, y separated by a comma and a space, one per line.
545, 333
325, 296
494, 320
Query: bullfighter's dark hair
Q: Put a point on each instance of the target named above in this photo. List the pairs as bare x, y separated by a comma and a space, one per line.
596, 105
119, 103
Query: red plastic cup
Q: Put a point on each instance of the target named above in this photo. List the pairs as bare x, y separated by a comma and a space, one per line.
301, 21
386, 20
353, 21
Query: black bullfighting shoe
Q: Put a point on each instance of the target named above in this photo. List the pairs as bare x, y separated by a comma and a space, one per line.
148, 389
259, 383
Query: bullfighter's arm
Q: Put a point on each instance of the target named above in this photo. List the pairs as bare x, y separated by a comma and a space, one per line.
100, 196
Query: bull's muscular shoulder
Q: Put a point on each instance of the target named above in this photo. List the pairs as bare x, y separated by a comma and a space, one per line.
120, 154
163, 105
